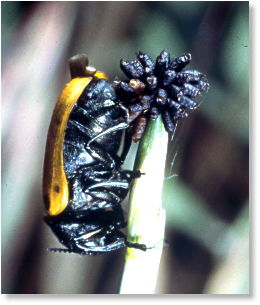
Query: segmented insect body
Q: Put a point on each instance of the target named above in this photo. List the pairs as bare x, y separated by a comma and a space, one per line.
92, 138
84, 206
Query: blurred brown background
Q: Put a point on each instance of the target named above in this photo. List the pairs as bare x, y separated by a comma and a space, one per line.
207, 202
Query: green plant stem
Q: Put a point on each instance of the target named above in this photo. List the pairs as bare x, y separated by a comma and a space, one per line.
146, 220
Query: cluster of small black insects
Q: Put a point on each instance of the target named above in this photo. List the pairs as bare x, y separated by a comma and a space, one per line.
90, 218
160, 87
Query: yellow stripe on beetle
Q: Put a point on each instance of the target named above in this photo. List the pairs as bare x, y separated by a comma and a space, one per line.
55, 187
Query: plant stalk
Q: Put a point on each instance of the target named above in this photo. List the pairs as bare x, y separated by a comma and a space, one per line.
146, 220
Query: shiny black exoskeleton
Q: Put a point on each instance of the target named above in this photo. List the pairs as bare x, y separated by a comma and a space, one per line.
91, 222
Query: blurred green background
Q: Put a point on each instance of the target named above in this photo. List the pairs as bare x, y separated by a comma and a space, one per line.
207, 197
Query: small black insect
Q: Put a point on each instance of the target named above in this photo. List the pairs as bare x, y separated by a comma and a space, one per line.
160, 87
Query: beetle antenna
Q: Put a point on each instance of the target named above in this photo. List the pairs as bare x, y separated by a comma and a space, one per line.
59, 250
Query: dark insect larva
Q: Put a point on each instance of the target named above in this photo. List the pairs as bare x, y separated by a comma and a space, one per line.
167, 89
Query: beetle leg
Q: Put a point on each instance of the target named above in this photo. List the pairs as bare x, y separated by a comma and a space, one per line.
113, 191
136, 245
98, 195
100, 243
92, 173
109, 183
112, 239
100, 200
127, 145
120, 126
100, 154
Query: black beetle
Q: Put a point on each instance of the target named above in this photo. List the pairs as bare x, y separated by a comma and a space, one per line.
83, 183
